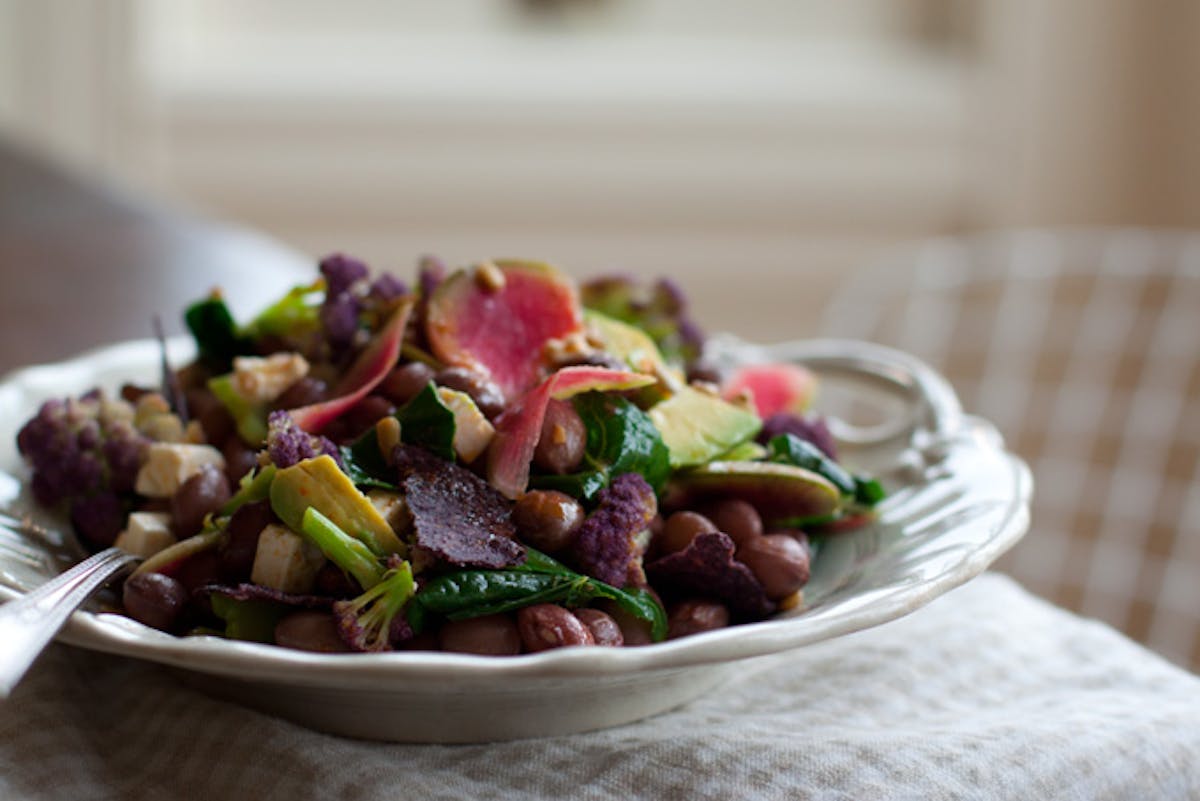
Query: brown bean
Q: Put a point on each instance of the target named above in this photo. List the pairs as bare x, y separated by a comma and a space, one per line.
240, 543
239, 459
680, 529
634, 630
695, 616
562, 441
404, 383
738, 519
778, 561
604, 629
547, 519
203, 493
303, 392
199, 570
490, 635
545, 626
154, 599
214, 418
310, 630
425, 641
487, 395
365, 414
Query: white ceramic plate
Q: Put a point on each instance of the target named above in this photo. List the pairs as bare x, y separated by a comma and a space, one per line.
957, 502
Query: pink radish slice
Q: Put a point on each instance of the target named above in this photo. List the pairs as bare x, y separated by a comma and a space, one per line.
367, 371
501, 328
518, 429
776, 387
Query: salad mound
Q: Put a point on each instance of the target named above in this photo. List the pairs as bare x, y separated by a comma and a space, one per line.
491, 460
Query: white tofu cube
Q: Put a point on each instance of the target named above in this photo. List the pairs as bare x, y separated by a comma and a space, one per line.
472, 431
146, 534
169, 464
262, 380
391, 508
285, 561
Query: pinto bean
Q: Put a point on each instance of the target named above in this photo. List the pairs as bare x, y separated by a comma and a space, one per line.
604, 629
779, 562
738, 519
205, 492
490, 635
545, 626
563, 439
680, 529
547, 519
695, 616
310, 630
154, 599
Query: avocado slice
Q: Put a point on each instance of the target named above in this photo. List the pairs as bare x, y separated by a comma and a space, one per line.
319, 483
777, 491
698, 427
627, 342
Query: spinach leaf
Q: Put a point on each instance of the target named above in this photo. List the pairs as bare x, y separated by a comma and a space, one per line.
540, 579
583, 485
790, 449
424, 421
365, 465
868, 491
620, 439
622, 436
217, 336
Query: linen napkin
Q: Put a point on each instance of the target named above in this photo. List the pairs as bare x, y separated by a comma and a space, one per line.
987, 693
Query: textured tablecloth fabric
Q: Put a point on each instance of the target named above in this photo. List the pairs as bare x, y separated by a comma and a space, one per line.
987, 693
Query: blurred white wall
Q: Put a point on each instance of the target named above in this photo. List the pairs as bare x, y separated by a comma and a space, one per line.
757, 151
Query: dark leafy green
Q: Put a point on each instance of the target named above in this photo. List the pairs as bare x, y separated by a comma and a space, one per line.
540, 579
790, 449
583, 485
424, 421
217, 336
620, 439
364, 463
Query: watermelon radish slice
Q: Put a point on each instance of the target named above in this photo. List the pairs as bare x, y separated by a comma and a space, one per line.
367, 371
500, 328
518, 429
776, 387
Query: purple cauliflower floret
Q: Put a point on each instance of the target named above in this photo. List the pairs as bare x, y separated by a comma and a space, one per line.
430, 272
340, 311
288, 444
341, 273
707, 567
339, 316
811, 429
85, 456
387, 287
605, 546
98, 518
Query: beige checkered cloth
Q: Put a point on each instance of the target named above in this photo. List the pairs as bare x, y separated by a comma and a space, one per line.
988, 693
1084, 349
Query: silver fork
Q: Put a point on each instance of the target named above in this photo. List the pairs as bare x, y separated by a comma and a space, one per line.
29, 622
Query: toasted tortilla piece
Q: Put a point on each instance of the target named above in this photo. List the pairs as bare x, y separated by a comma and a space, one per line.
457, 516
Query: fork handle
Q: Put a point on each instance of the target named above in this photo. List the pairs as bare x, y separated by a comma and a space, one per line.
29, 623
